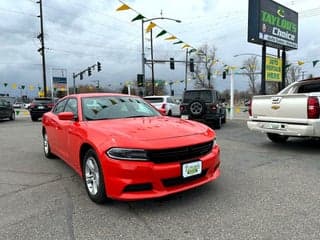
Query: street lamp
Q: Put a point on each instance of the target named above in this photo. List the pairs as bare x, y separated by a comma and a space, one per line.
143, 60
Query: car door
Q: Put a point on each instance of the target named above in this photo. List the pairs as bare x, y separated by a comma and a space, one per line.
53, 128
175, 108
66, 130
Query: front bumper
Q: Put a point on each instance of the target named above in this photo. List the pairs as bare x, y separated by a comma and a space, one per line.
133, 180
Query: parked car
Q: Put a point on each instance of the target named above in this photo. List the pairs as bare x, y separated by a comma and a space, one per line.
6, 109
125, 149
204, 105
39, 106
165, 103
18, 105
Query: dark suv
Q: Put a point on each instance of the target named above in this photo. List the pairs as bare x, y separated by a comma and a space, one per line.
39, 106
204, 105
6, 109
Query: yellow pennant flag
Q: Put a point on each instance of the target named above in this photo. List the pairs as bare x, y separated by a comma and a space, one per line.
150, 26
300, 63
31, 88
123, 7
14, 86
171, 38
186, 46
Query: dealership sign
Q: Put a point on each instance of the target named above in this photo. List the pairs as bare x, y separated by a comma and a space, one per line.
272, 23
59, 83
273, 69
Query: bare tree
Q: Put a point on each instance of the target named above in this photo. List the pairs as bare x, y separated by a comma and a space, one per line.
292, 73
250, 67
204, 59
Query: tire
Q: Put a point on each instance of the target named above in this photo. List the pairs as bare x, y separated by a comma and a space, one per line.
93, 178
277, 138
224, 119
13, 116
197, 108
46, 146
218, 123
34, 119
169, 113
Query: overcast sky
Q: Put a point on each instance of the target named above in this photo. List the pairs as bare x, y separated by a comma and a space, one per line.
78, 33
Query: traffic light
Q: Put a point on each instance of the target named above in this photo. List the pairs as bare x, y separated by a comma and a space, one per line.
224, 75
191, 66
172, 63
89, 71
99, 66
140, 80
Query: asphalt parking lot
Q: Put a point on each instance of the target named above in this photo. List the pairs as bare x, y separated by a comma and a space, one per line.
266, 191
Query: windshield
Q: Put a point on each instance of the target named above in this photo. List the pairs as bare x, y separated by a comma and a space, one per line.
112, 107
190, 96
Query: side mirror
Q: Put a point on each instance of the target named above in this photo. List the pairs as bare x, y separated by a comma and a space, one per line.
66, 116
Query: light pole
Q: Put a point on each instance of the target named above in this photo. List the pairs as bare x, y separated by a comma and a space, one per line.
143, 60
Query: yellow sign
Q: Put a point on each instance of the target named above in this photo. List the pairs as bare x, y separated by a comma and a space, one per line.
273, 69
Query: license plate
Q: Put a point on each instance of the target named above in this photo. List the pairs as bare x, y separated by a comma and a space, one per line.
185, 117
40, 107
191, 169
272, 125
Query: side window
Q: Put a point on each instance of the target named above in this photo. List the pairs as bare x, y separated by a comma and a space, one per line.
72, 106
60, 107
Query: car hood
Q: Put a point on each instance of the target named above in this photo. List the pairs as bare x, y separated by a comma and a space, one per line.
149, 131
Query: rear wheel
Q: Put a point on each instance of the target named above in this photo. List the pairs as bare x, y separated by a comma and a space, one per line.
218, 123
93, 177
46, 146
13, 116
277, 138
34, 119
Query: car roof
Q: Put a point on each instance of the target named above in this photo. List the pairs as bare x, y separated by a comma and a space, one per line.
163, 96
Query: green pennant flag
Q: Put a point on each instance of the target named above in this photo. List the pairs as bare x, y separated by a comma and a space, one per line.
179, 42
139, 17
314, 63
39, 88
287, 65
161, 33
5, 84
23, 86
192, 50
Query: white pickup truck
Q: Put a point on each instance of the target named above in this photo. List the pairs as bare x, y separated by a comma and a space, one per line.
293, 112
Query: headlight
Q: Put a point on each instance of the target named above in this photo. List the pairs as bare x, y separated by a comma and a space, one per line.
214, 142
127, 154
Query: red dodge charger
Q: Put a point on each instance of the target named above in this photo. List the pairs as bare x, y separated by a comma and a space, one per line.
125, 149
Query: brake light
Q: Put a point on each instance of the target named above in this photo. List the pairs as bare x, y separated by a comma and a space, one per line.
250, 107
313, 107
163, 106
214, 107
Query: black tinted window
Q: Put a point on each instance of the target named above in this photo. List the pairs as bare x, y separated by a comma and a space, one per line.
205, 96
309, 88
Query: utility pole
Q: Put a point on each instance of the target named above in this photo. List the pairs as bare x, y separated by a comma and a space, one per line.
42, 50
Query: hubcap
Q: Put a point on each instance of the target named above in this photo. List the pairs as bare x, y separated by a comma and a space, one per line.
45, 144
92, 175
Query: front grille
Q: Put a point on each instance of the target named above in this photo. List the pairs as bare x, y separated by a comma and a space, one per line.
169, 182
180, 154
138, 187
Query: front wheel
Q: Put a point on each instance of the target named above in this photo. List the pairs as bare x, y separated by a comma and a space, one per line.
277, 138
93, 177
